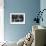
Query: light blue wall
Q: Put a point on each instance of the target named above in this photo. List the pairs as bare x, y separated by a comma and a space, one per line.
29, 7
43, 6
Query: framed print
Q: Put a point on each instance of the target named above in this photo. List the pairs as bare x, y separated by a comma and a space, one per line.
17, 18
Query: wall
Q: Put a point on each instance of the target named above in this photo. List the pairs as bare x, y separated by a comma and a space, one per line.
1, 21
43, 6
29, 7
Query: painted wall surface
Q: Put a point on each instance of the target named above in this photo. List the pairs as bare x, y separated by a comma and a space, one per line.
1, 21
29, 7
43, 6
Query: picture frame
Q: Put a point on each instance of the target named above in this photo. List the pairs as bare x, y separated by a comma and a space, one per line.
17, 18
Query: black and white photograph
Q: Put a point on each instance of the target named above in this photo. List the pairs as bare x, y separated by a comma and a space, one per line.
17, 18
